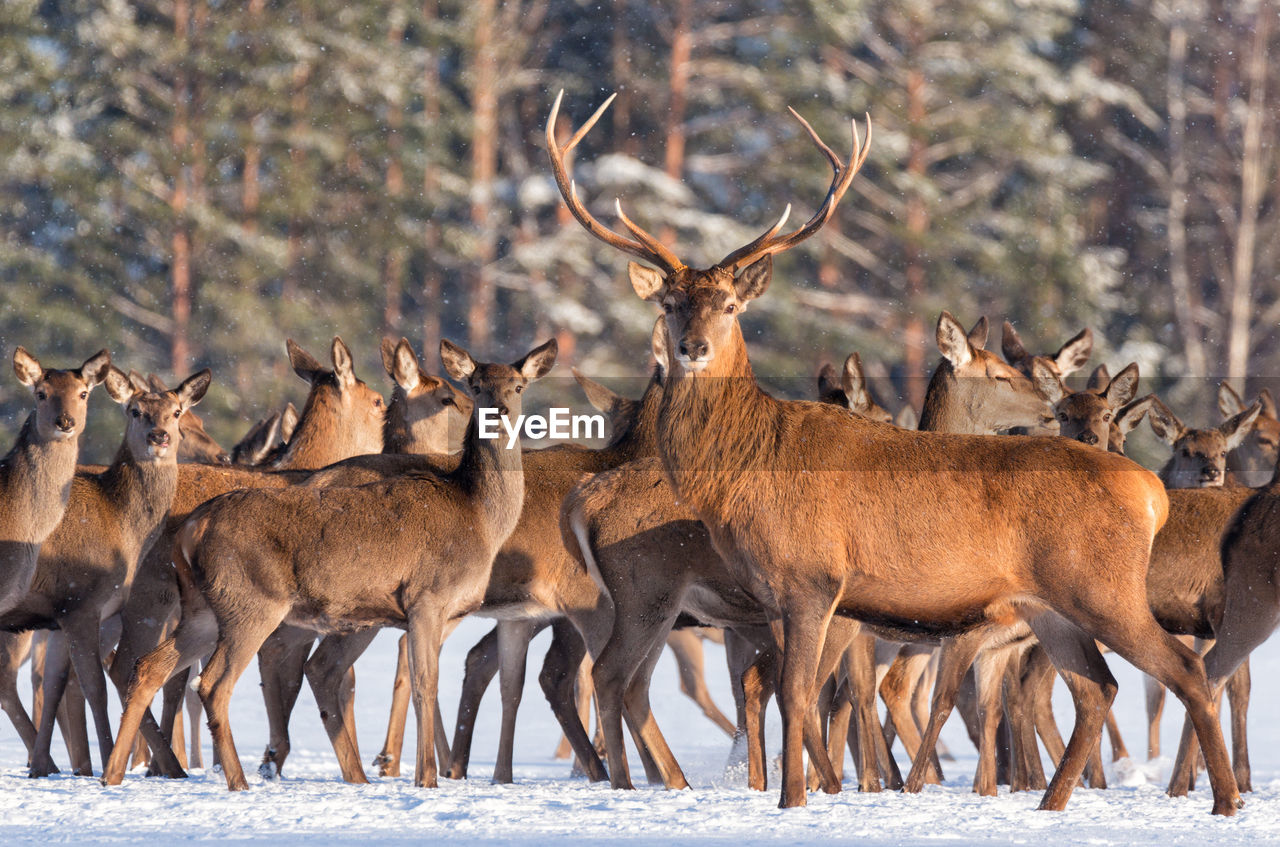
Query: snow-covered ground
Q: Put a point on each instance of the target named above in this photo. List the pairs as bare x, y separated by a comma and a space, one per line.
311, 805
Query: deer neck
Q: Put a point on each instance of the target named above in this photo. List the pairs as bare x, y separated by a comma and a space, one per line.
322, 436
946, 409
141, 492
493, 477
35, 481
715, 429
421, 437
641, 437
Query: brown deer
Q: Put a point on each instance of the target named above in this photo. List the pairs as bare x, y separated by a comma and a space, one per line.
1249, 611
1070, 357
1093, 416
295, 560
266, 439
35, 475
1199, 457
894, 529
341, 413
1252, 462
87, 564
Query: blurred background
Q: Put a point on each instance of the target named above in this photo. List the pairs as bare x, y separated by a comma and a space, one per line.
188, 182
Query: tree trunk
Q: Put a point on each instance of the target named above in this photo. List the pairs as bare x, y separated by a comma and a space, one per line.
1184, 300
180, 268
484, 166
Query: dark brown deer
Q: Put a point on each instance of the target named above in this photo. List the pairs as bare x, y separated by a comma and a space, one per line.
1199, 457
1252, 462
251, 560
917, 553
35, 475
87, 564
1070, 357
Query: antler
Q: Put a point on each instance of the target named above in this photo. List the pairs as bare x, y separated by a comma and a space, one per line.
645, 246
768, 243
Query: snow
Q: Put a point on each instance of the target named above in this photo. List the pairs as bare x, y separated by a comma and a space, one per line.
311, 805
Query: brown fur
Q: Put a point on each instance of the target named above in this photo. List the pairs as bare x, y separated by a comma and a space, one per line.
1251, 463
1199, 457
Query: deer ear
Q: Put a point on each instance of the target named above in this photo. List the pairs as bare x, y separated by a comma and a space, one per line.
754, 279
828, 382
855, 385
457, 362
404, 365
304, 364
1237, 427
1122, 389
658, 344
907, 418
647, 282
342, 367
1011, 345
1128, 418
94, 369
119, 386
387, 348
1164, 423
1268, 403
140, 384
288, 422
538, 361
979, 333
953, 343
27, 367
1075, 353
193, 388
1046, 380
600, 398
1099, 380
1229, 402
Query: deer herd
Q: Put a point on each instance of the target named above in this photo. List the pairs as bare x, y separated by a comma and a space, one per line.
840, 553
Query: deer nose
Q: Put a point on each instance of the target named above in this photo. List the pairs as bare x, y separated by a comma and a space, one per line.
65, 422
158, 438
694, 348
502, 409
1089, 437
1210, 473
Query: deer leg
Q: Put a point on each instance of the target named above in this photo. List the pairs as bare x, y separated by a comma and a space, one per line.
686, 644
74, 728
954, 660
81, 632
897, 690
480, 668
326, 672
170, 715
801, 637
840, 731
57, 666
559, 671
582, 697
989, 671
14, 649
234, 651
1039, 678
758, 685
920, 708
513, 655
425, 636
1028, 773
1238, 686
194, 710
280, 665
192, 639
1092, 689
740, 653
1155, 709
179, 735
639, 714
388, 761
825, 705
872, 752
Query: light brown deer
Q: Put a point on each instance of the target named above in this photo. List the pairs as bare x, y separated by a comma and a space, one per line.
893, 530
344, 418
344, 559
1252, 462
1199, 457
35, 475
1250, 607
87, 564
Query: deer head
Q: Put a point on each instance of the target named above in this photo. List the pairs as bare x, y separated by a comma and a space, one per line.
1260, 447
850, 390
62, 396
1199, 455
1088, 416
1070, 358
153, 429
497, 386
701, 306
338, 400
196, 444
425, 411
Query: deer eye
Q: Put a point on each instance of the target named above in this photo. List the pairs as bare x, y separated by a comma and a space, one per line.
1106, 417
519, 389
667, 307
134, 411
377, 404
731, 308
1062, 416
43, 395
446, 401
84, 394
178, 414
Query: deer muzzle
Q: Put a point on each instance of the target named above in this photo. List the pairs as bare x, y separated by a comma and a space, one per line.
65, 423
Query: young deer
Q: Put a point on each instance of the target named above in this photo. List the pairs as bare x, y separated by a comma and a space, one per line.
1199, 457
87, 564
1252, 462
348, 559
896, 528
341, 416
35, 475
196, 445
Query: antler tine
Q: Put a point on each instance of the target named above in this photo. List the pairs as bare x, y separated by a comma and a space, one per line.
647, 247
842, 178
